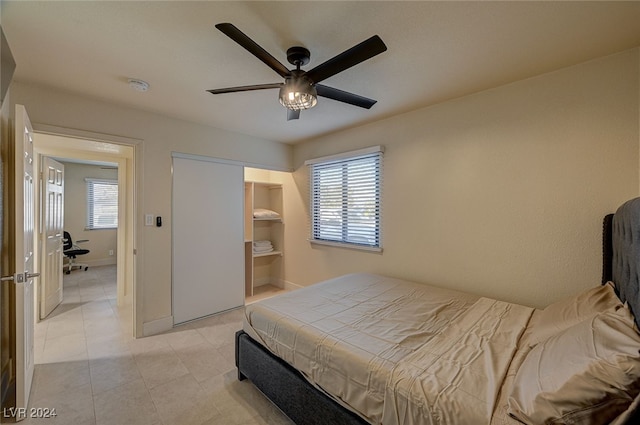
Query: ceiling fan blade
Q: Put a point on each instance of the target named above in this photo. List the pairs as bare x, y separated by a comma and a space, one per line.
242, 39
292, 115
359, 53
343, 96
246, 88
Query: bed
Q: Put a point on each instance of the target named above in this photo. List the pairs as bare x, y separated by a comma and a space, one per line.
371, 349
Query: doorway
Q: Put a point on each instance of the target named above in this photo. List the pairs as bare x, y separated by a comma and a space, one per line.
120, 159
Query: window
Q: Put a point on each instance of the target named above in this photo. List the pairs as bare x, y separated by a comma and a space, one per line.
102, 204
345, 198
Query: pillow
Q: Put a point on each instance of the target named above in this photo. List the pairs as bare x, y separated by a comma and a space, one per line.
570, 311
586, 374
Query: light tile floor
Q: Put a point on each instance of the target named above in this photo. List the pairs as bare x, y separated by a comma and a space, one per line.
90, 369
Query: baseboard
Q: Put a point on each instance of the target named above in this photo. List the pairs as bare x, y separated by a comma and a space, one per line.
290, 285
157, 326
108, 261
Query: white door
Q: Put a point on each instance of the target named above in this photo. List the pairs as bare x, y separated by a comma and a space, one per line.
208, 238
24, 251
52, 234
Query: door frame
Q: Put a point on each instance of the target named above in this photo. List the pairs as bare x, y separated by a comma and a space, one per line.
126, 152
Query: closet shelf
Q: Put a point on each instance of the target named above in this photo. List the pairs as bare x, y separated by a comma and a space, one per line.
267, 254
276, 219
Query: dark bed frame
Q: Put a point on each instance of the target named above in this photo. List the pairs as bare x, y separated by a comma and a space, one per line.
305, 404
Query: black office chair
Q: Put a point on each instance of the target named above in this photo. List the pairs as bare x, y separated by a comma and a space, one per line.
72, 250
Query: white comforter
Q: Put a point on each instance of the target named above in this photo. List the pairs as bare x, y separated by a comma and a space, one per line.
393, 351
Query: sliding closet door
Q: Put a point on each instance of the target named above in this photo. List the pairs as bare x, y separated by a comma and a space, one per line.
208, 237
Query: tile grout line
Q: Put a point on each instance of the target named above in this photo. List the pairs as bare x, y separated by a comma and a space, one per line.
84, 331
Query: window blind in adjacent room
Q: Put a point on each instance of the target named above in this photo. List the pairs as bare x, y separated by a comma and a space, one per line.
102, 204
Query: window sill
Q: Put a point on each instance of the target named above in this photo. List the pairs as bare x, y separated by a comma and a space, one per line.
346, 245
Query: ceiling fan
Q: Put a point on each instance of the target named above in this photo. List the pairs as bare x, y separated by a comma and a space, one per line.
300, 88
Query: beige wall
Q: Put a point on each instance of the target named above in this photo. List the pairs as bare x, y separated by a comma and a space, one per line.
159, 136
500, 193
75, 213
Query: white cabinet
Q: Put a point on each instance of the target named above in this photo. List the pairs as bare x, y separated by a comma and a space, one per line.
264, 235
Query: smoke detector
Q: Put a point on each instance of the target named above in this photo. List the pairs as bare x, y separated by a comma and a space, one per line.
138, 85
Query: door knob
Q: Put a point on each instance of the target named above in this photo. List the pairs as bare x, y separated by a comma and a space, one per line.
19, 277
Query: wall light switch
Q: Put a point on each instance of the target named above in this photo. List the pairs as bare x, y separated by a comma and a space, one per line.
149, 220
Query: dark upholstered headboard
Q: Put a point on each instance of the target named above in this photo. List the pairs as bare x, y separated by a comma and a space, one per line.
607, 248
621, 253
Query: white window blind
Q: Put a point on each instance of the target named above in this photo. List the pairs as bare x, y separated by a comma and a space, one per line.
102, 204
346, 200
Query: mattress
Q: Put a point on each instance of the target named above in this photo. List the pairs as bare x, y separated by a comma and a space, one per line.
392, 350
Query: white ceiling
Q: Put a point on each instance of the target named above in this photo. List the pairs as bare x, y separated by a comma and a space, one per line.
436, 51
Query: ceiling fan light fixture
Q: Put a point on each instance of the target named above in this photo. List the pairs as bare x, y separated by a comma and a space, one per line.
300, 89
297, 94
